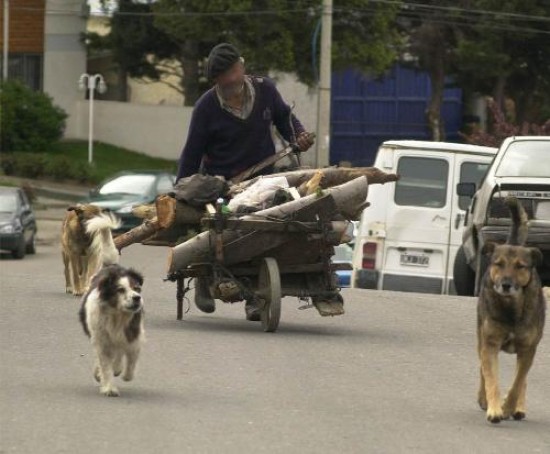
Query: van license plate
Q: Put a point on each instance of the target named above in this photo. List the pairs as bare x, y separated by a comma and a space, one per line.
415, 260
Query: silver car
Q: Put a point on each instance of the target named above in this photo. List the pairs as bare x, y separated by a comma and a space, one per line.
521, 168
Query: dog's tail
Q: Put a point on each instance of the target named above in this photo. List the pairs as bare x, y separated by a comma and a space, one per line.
99, 228
518, 229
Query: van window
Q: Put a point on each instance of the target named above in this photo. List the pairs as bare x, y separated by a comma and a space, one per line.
423, 182
470, 172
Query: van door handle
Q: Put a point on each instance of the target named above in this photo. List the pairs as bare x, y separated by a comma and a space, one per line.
458, 220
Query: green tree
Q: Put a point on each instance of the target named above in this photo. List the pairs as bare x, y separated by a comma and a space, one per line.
137, 46
498, 48
509, 56
272, 35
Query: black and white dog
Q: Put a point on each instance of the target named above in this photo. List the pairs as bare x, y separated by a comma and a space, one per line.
112, 316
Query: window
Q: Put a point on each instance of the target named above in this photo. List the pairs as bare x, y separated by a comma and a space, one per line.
423, 182
526, 158
27, 68
470, 172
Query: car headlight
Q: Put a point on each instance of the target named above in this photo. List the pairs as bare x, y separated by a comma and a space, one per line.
125, 209
11, 228
8, 228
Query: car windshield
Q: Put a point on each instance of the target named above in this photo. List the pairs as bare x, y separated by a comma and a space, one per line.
128, 184
8, 203
525, 159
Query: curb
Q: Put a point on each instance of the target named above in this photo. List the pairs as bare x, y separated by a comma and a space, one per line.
49, 190
57, 194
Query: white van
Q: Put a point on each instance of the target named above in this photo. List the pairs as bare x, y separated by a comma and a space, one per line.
408, 237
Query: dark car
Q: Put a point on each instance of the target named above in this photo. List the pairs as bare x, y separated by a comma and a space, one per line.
125, 190
17, 223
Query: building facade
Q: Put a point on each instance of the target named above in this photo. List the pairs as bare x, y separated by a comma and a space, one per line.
45, 49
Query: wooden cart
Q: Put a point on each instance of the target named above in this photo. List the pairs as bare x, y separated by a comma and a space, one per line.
269, 259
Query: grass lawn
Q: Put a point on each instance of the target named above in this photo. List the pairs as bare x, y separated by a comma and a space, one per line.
109, 159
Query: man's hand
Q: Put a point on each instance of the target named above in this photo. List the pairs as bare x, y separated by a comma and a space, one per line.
305, 140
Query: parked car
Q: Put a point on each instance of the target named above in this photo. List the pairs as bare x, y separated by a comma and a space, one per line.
17, 223
521, 168
408, 237
125, 190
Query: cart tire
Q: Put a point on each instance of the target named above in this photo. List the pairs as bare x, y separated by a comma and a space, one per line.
269, 291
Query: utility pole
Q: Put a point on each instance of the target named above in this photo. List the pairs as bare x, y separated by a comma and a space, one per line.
6, 40
323, 106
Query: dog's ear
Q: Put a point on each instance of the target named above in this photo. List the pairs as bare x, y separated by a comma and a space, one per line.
76, 208
136, 276
536, 256
107, 282
488, 248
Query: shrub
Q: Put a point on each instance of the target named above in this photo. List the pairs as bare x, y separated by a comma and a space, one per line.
30, 121
40, 165
501, 128
58, 167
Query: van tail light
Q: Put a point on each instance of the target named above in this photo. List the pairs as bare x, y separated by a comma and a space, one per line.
369, 256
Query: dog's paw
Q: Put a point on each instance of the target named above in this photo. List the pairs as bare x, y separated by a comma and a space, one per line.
495, 416
109, 391
128, 376
78, 292
482, 401
518, 415
97, 376
68, 290
513, 410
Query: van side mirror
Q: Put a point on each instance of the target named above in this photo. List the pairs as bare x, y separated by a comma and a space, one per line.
466, 189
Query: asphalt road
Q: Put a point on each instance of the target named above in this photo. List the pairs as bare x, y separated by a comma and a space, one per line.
397, 373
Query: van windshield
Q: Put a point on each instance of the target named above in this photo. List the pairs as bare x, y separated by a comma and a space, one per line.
525, 159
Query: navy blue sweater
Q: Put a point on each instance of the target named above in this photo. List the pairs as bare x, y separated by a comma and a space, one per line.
228, 145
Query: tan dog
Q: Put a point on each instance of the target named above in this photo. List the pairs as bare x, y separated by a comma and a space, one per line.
87, 244
511, 312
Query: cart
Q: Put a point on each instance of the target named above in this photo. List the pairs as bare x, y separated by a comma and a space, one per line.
263, 259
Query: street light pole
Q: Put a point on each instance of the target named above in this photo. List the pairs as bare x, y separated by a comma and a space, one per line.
5, 54
323, 109
90, 83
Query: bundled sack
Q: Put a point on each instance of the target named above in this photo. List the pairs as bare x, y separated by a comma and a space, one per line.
259, 195
198, 190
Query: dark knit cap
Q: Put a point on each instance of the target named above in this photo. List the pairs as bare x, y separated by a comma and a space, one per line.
220, 59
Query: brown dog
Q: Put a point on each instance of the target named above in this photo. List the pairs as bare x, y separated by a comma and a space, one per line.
510, 317
85, 236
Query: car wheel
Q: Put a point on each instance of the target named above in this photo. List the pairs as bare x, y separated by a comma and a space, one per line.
464, 277
19, 253
31, 245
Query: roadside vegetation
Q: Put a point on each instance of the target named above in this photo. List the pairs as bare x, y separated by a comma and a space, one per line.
32, 127
68, 161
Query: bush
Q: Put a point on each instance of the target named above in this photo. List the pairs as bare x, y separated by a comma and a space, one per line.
30, 121
500, 128
40, 165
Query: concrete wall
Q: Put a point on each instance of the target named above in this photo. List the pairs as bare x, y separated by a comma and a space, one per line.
161, 130
64, 57
155, 130
304, 100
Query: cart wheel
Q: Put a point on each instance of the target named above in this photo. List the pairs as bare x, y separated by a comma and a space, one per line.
269, 291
